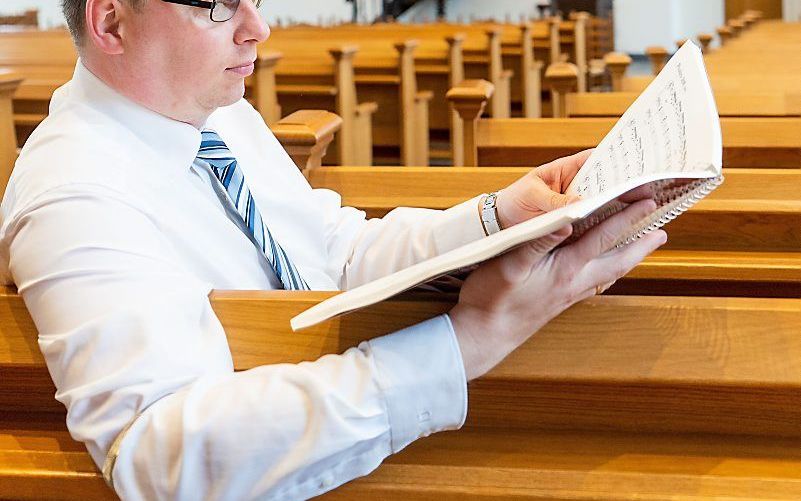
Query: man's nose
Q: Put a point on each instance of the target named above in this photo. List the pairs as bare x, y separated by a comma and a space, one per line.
251, 25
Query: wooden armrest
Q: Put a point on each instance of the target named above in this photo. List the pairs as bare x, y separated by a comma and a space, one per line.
306, 135
562, 77
471, 91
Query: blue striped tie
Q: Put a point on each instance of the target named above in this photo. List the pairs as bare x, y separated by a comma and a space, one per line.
217, 156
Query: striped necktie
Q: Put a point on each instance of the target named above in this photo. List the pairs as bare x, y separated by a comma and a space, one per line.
214, 153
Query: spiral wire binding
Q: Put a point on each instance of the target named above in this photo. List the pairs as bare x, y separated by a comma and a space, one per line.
673, 202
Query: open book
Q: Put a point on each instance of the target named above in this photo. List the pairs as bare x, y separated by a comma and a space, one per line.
669, 138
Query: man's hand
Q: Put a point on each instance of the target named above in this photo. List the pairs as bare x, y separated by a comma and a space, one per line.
539, 191
511, 297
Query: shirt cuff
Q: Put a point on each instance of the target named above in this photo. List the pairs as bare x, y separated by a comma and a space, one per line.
459, 225
421, 373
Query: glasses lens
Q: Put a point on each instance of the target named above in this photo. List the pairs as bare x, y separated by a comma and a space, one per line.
224, 10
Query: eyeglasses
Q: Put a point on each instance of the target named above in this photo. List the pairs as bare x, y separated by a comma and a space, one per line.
221, 10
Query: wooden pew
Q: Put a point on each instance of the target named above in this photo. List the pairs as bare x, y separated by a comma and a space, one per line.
335, 91
747, 142
438, 64
45, 60
761, 59
743, 240
563, 81
613, 394
384, 73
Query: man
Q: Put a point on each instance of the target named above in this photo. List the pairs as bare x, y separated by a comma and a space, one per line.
153, 182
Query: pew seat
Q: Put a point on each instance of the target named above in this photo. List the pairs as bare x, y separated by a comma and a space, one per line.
482, 465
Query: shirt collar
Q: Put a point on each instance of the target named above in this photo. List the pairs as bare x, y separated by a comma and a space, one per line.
175, 142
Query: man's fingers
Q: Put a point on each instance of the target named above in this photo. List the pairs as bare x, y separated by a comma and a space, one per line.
542, 197
600, 238
560, 172
519, 262
616, 263
643, 192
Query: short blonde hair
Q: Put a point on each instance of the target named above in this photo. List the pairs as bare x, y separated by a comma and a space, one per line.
76, 21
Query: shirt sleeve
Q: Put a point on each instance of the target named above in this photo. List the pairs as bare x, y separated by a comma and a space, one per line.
125, 328
362, 250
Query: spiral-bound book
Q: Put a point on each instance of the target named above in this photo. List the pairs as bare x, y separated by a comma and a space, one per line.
668, 139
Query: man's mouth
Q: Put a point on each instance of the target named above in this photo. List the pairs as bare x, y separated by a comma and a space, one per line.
243, 70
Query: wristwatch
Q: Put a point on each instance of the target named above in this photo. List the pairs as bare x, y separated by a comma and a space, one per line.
489, 214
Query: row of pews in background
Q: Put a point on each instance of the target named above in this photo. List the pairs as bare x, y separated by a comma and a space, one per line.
403, 71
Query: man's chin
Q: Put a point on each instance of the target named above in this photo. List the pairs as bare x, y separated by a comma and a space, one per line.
231, 97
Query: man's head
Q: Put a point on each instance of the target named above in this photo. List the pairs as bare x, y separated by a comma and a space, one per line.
169, 57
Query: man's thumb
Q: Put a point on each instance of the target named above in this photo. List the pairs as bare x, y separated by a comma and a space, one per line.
559, 200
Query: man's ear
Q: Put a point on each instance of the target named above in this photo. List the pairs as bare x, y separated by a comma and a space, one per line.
103, 25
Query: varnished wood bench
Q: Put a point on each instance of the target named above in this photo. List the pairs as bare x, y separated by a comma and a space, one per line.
606, 399
745, 239
747, 142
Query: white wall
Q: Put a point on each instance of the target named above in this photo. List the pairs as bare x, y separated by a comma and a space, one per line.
640, 23
309, 11
792, 10
480, 9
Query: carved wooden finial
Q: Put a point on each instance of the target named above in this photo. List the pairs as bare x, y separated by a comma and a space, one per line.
680, 42
562, 78
658, 56
725, 34
306, 134
617, 63
469, 98
736, 27
706, 41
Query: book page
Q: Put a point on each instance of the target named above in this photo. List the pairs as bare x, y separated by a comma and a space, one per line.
672, 127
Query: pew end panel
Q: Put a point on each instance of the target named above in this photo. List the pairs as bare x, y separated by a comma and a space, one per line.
562, 79
470, 99
263, 86
617, 63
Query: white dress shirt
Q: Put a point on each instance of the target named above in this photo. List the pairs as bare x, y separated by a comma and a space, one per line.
114, 241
